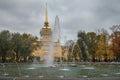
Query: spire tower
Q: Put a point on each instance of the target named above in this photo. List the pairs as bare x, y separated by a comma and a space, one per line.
49, 49
46, 16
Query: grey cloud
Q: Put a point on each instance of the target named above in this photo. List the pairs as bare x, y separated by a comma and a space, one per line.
89, 15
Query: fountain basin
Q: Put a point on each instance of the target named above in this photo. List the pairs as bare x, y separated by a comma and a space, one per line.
80, 71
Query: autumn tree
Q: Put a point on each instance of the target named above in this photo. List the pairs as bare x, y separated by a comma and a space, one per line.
105, 41
116, 41
103, 50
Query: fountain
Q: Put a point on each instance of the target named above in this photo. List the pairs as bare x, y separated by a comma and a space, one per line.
76, 71
49, 59
57, 35
35, 60
82, 71
4, 70
72, 56
19, 71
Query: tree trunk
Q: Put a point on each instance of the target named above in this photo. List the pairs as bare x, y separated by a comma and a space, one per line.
93, 58
3, 58
25, 59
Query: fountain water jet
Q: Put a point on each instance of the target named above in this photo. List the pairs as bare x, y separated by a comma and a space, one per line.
4, 70
18, 68
49, 59
55, 37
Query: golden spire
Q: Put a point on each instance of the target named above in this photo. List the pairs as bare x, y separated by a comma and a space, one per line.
46, 24
46, 16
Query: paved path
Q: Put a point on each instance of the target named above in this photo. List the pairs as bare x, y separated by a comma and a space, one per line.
107, 78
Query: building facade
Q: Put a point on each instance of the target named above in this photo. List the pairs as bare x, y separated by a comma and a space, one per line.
46, 42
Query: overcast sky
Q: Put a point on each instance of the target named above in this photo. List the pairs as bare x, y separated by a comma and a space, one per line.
89, 15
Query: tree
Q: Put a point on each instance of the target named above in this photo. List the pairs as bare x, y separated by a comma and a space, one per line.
102, 49
116, 41
28, 45
92, 44
82, 44
5, 44
22, 45
17, 44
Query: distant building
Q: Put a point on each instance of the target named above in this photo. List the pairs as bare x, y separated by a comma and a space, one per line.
46, 42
